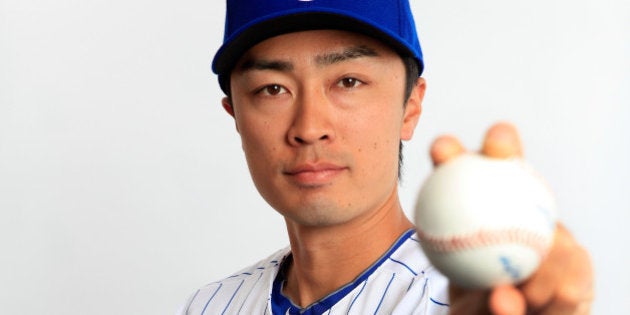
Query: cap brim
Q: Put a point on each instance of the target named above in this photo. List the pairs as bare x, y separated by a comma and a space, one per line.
234, 47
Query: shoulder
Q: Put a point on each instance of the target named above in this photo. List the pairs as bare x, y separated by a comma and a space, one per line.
241, 291
419, 285
402, 281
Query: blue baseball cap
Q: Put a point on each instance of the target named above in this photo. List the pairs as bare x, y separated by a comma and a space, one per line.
248, 22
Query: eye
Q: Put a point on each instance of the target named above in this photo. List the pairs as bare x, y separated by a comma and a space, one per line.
272, 89
348, 83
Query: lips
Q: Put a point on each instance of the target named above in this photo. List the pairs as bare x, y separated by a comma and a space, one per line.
314, 174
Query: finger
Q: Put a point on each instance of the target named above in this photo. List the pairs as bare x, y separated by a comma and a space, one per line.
464, 301
564, 282
540, 287
502, 141
445, 148
507, 300
584, 308
559, 309
575, 292
567, 307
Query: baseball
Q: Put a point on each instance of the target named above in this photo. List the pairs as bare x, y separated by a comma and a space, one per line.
484, 222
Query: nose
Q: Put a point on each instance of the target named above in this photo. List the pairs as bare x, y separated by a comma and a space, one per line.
312, 121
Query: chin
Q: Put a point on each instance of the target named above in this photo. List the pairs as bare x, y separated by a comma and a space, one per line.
318, 215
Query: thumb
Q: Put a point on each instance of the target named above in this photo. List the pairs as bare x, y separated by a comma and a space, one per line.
506, 300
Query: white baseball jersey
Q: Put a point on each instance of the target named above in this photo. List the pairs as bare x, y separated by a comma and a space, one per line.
402, 281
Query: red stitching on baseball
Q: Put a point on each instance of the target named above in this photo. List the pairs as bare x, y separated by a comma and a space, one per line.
481, 238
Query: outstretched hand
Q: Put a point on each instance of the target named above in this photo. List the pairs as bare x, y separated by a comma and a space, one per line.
563, 283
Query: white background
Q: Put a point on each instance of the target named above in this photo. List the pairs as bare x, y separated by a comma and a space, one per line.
123, 187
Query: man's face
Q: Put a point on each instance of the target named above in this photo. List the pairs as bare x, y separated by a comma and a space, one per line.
321, 115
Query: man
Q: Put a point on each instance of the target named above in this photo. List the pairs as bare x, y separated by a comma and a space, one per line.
322, 93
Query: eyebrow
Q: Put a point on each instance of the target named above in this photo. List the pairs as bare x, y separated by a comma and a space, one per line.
262, 64
349, 53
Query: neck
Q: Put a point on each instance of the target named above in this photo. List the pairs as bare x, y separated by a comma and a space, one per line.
326, 258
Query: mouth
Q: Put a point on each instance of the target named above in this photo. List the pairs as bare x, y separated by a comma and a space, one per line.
314, 174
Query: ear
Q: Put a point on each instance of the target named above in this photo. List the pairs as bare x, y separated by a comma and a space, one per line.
227, 105
229, 108
413, 109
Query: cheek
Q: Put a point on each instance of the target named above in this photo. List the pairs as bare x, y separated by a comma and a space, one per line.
256, 149
379, 143
262, 141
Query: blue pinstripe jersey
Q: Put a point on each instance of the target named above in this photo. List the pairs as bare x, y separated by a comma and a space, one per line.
402, 281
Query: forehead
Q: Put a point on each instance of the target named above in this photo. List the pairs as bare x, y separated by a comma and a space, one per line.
316, 45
